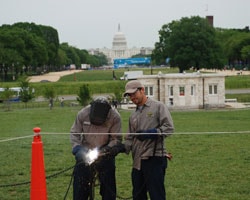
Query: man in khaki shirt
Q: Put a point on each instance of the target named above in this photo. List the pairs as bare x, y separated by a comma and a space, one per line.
96, 126
149, 125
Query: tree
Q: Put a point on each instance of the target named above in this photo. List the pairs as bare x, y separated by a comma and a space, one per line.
71, 53
92, 60
84, 95
21, 48
245, 54
102, 59
36, 46
190, 42
29, 48
47, 34
61, 59
235, 45
26, 93
49, 92
6, 96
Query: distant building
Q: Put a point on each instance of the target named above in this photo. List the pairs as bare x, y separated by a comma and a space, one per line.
120, 49
210, 20
187, 90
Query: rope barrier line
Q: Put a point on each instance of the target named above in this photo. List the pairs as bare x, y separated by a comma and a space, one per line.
175, 133
16, 138
210, 133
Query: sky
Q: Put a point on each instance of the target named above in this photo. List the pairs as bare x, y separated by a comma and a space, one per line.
89, 24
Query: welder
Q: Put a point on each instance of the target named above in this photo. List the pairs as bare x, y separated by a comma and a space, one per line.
97, 126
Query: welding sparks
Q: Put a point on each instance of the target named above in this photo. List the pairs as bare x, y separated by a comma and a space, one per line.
91, 156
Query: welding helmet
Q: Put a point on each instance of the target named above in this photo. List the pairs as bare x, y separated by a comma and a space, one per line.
99, 109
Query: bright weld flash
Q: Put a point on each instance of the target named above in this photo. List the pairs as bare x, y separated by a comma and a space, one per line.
92, 155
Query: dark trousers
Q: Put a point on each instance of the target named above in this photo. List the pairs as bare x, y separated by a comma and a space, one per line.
150, 179
83, 178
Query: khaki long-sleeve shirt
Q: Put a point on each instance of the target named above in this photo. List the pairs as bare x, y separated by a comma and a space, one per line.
91, 136
153, 114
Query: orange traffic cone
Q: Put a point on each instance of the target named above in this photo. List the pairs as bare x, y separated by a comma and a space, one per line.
38, 179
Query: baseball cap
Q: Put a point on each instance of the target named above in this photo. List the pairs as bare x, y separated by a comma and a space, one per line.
132, 86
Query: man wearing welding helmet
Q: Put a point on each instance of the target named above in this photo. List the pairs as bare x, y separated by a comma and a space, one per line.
97, 126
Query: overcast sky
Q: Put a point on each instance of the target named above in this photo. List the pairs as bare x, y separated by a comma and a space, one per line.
92, 23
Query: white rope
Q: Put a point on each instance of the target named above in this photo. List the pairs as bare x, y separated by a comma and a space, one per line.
176, 133
15, 138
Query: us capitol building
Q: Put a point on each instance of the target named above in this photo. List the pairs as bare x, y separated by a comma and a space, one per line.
120, 48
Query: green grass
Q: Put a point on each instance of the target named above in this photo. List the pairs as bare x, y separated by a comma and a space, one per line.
210, 147
205, 165
72, 88
236, 82
105, 75
239, 97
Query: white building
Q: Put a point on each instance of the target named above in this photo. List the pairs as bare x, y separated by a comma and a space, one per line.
187, 90
120, 49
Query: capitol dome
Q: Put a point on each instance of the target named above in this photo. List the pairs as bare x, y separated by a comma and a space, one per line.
119, 40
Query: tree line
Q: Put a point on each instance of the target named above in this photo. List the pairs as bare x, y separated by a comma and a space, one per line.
193, 42
28, 48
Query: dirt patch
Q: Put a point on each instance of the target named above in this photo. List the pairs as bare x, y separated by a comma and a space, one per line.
52, 76
228, 72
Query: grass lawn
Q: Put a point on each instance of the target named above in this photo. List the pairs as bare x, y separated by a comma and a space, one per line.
210, 148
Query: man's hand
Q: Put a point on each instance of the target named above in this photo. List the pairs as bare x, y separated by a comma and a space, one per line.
150, 134
112, 151
119, 148
80, 153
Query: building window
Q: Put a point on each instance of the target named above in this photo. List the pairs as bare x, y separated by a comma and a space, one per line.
192, 90
170, 90
210, 89
182, 91
213, 89
149, 90
171, 101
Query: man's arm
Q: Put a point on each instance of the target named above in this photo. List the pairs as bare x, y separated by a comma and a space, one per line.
75, 132
115, 130
166, 122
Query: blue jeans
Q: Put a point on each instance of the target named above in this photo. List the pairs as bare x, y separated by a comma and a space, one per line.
150, 179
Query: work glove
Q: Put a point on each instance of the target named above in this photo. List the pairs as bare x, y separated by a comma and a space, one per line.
119, 148
80, 153
105, 153
112, 151
150, 134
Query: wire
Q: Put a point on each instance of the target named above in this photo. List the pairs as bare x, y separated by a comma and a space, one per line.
71, 179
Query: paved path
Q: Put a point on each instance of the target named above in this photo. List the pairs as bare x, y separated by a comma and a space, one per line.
238, 91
